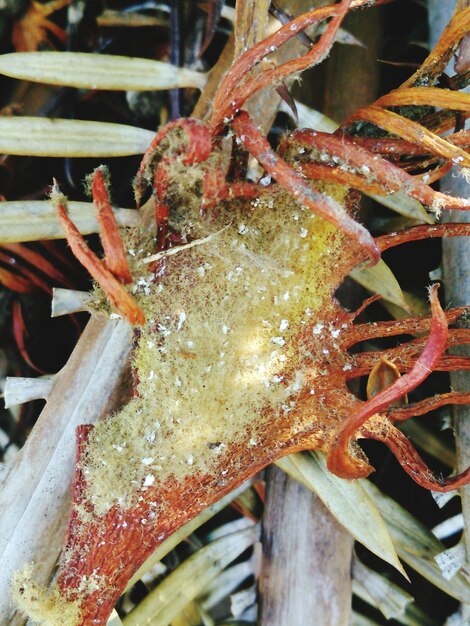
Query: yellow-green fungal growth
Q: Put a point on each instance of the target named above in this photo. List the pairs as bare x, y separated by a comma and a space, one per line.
42, 605
217, 352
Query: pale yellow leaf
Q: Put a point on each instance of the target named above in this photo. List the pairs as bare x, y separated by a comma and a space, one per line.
98, 71
346, 500
114, 619
404, 205
185, 583
433, 444
33, 220
310, 118
416, 545
417, 307
380, 279
41, 136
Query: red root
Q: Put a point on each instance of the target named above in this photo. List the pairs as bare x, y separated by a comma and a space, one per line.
408, 326
413, 131
235, 88
316, 55
427, 405
320, 204
403, 358
413, 464
121, 299
115, 255
375, 171
397, 148
425, 231
340, 461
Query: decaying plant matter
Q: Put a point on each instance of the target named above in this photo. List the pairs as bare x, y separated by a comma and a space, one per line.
241, 350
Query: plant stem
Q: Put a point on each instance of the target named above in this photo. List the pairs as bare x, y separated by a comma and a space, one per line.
306, 558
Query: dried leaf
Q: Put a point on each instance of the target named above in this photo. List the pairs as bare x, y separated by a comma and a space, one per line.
18, 390
39, 136
380, 279
98, 71
66, 301
416, 545
170, 597
390, 599
347, 501
114, 620
361, 620
34, 220
227, 582
251, 18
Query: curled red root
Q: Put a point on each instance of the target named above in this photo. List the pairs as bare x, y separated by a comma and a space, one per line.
413, 464
340, 461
